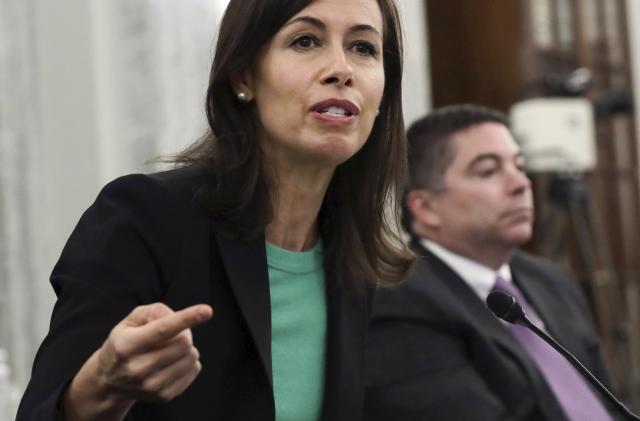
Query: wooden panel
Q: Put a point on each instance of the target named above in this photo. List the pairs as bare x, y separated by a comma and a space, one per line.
475, 49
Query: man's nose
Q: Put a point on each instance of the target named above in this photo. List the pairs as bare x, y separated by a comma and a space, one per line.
518, 181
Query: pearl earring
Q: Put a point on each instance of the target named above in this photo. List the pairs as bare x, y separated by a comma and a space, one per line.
243, 97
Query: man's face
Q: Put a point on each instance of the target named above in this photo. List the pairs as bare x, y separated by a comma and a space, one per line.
487, 199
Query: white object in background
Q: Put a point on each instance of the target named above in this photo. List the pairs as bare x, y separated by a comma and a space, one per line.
9, 394
556, 134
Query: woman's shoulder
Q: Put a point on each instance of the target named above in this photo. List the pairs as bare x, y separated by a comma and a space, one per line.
185, 176
183, 180
175, 186
159, 199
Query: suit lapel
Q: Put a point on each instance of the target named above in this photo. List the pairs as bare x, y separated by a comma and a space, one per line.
246, 267
548, 306
538, 296
471, 308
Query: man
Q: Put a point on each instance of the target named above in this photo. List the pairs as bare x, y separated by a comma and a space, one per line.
435, 351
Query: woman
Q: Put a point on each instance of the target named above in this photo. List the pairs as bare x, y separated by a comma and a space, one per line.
276, 223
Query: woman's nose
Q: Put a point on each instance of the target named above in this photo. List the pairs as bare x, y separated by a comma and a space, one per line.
339, 71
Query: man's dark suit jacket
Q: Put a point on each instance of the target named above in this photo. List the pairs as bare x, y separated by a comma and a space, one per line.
147, 239
435, 352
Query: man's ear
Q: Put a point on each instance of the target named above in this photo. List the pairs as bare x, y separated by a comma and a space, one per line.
242, 84
421, 205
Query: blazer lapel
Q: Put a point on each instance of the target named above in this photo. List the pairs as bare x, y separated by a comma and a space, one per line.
246, 267
347, 321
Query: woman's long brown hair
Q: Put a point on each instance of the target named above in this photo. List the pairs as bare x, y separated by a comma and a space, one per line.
358, 219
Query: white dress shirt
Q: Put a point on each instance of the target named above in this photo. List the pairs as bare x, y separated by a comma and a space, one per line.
479, 277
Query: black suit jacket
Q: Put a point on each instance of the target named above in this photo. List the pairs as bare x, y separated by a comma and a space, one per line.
147, 239
435, 352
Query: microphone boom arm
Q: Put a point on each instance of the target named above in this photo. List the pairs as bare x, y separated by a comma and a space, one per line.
577, 364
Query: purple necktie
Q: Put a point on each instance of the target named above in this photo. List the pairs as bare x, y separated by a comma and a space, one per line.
575, 396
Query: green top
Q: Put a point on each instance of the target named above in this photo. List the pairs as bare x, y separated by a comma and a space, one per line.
298, 331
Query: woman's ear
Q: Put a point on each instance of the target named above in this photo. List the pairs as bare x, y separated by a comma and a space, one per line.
242, 84
421, 204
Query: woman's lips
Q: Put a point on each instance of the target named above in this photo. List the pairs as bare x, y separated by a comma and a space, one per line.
335, 111
337, 103
334, 119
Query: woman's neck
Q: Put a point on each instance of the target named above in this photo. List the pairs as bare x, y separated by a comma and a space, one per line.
296, 200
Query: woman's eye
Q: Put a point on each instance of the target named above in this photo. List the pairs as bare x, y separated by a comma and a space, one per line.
365, 48
304, 42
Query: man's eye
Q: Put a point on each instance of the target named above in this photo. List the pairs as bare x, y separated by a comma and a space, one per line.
522, 167
487, 172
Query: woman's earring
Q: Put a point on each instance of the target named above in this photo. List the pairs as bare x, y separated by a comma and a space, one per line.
377, 112
243, 97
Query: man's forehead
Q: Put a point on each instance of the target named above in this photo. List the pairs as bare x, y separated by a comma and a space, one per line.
485, 140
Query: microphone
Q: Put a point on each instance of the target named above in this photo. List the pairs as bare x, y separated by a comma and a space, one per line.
505, 307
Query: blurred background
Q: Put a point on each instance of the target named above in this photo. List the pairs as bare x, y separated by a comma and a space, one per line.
94, 89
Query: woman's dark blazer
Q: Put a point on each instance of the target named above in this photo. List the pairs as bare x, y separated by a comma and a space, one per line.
146, 239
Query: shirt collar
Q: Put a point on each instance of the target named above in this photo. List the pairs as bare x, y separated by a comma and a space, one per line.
479, 277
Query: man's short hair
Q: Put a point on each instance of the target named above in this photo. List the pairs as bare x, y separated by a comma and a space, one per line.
430, 151
430, 148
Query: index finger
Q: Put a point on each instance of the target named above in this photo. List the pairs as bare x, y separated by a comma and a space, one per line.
165, 328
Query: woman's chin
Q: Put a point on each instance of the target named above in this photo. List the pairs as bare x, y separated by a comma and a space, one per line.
329, 151
336, 150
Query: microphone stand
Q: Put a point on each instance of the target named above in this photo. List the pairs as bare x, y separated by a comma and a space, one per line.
524, 321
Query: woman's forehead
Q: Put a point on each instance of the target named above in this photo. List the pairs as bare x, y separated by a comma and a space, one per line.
345, 12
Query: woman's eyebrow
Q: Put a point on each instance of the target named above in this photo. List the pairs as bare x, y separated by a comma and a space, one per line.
364, 28
308, 19
321, 25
